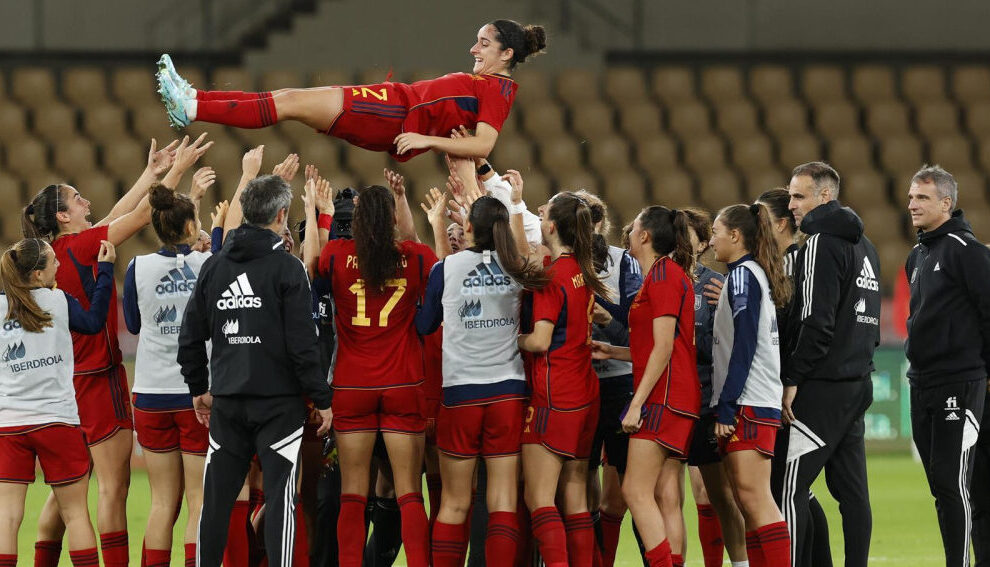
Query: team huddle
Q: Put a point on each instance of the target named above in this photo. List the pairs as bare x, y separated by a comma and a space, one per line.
290, 391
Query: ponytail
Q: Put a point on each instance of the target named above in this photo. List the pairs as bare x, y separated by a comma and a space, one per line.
490, 224
373, 226
16, 266
38, 218
599, 218
572, 217
669, 231
755, 224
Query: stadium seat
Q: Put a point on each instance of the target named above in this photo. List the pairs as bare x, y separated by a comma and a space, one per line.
280, 79
977, 118
365, 164
983, 153
823, 84
923, 84
99, 189
873, 83
295, 132
837, 119
786, 118
608, 155
893, 254
737, 119
971, 83
13, 123
625, 85
758, 182
544, 120
149, 121
231, 79
671, 188
276, 150
425, 74
951, 152
770, 84
704, 153
534, 87
421, 174
980, 221
884, 223
938, 118
656, 155
537, 189
576, 87
75, 156
864, 188
689, 120
40, 179
513, 152
592, 120
326, 77
560, 155
33, 86
134, 87
719, 188
126, 158
722, 84
753, 155
321, 152
795, 150
576, 179
850, 153
625, 193
27, 157
640, 120
84, 86
972, 188
195, 76
252, 137
105, 122
54, 122
674, 85
902, 154
887, 118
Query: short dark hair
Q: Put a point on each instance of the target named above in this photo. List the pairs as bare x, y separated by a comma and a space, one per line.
945, 183
263, 198
823, 174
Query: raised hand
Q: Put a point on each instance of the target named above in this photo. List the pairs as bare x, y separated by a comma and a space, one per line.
435, 207
309, 197
516, 182
202, 180
219, 214
251, 162
324, 196
159, 161
311, 172
288, 168
187, 154
396, 182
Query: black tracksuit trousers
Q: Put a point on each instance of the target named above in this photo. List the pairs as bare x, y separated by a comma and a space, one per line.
980, 490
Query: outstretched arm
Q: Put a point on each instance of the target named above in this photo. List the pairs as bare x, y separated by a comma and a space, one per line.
477, 146
250, 166
403, 214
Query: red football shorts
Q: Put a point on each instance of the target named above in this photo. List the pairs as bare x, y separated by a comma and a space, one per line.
390, 410
104, 404
667, 428
60, 448
432, 414
166, 431
372, 116
487, 430
567, 433
751, 434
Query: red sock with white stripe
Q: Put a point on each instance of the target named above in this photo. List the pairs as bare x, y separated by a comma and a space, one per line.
415, 529
156, 557
449, 544
86, 558
47, 552
114, 547
351, 530
710, 534
548, 530
502, 540
659, 556
775, 541
754, 551
580, 535
237, 551
190, 549
256, 112
611, 528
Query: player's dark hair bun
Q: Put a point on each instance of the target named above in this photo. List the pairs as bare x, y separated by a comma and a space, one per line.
536, 39
161, 198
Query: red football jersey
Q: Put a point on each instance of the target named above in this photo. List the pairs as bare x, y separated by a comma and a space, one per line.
667, 291
562, 376
440, 105
76, 275
377, 344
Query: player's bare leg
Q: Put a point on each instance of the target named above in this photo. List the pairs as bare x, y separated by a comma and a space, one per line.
72, 501
670, 498
12, 497
165, 478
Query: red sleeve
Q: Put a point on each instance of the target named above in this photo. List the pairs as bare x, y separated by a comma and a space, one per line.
323, 268
86, 244
666, 296
493, 106
547, 303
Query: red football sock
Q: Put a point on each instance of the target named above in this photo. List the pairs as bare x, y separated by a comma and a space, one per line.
415, 529
524, 549
237, 551
580, 535
775, 541
502, 540
433, 487
86, 558
47, 552
8, 560
676, 560
659, 556
190, 549
548, 529
256, 112
300, 548
753, 550
156, 557
710, 534
351, 530
611, 528
114, 546
229, 95
449, 545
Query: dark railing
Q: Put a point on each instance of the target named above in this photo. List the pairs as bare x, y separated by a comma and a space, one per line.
209, 25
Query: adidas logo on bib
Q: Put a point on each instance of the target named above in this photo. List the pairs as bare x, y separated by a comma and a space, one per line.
239, 295
867, 277
177, 282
